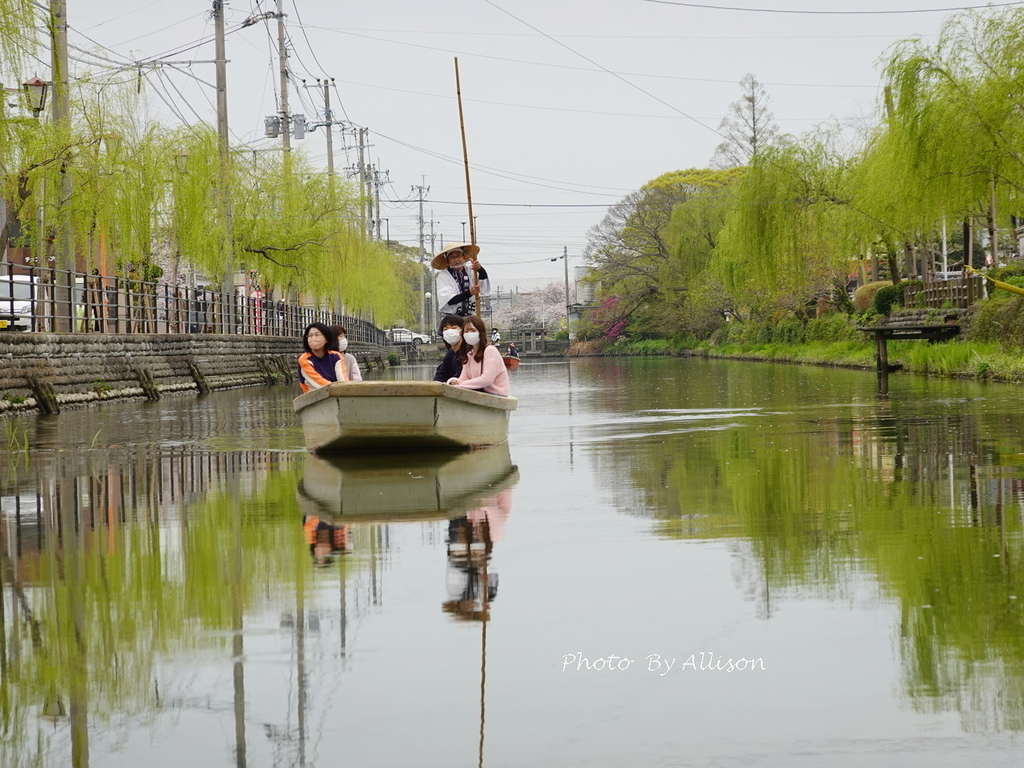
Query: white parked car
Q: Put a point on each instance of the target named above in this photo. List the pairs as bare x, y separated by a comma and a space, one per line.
16, 295
405, 336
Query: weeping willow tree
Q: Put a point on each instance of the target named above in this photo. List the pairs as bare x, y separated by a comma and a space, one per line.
301, 231
950, 144
698, 303
30, 151
142, 193
25, 145
788, 237
18, 24
121, 176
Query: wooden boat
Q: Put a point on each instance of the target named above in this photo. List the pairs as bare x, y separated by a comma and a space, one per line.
401, 417
510, 362
418, 486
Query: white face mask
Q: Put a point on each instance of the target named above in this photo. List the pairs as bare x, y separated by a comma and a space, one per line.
451, 335
342, 344
472, 338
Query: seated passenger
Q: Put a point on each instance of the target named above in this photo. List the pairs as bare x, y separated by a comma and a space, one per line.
320, 365
351, 364
451, 332
482, 366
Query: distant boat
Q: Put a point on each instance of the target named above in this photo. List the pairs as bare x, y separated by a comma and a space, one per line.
418, 486
401, 417
511, 362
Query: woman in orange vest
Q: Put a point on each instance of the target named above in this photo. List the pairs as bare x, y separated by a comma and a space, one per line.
320, 364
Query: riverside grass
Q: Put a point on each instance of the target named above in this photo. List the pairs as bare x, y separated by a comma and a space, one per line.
958, 359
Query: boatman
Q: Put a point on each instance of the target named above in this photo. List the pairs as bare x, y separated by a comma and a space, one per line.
456, 293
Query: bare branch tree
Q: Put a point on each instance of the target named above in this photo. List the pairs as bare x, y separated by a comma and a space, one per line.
748, 127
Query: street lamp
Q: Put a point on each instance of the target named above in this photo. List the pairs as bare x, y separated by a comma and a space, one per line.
36, 90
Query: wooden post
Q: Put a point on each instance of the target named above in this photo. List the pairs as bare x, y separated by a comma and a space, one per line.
881, 353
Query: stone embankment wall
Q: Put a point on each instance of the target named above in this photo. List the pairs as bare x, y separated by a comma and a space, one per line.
48, 372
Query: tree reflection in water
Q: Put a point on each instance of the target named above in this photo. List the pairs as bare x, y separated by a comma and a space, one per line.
110, 567
927, 506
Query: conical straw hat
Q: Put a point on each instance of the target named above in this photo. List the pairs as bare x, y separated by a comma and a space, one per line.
441, 260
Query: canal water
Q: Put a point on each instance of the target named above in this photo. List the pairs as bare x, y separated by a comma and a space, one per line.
673, 563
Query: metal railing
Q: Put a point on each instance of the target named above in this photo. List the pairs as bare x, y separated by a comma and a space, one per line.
52, 300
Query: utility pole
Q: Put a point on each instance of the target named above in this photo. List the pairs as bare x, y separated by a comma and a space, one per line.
329, 122
422, 190
228, 279
363, 181
377, 179
373, 187
65, 246
565, 258
282, 54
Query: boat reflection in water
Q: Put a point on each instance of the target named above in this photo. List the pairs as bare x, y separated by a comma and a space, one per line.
378, 489
337, 491
473, 490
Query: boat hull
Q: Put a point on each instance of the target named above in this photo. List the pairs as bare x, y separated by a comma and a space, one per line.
401, 416
420, 486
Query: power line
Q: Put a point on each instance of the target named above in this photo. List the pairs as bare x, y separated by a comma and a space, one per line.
580, 69
170, 101
617, 76
128, 13
302, 27
475, 33
162, 29
341, 103
425, 94
510, 175
191, 46
831, 13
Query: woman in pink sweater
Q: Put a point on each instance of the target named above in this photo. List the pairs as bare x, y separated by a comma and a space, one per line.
482, 366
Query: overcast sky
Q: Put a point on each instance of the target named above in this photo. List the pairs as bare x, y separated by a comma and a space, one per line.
547, 121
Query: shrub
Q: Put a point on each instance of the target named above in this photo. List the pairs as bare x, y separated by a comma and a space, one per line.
582, 348
886, 297
788, 331
830, 328
864, 296
1013, 269
649, 347
1000, 319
